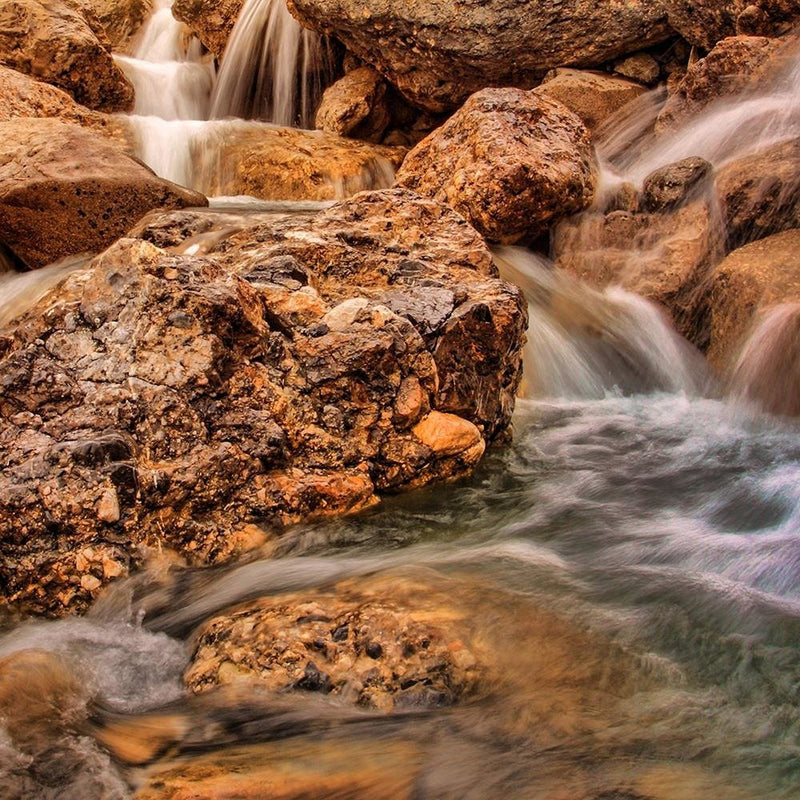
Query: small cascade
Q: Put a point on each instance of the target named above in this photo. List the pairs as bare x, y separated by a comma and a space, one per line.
767, 371
170, 77
585, 344
273, 69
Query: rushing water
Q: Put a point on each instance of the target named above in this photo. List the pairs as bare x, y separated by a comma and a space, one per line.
630, 564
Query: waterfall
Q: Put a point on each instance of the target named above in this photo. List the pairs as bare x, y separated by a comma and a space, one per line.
584, 344
273, 69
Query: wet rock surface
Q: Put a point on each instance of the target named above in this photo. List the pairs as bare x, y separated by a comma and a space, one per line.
292, 371
210, 20
751, 279
512, 162
66, 190
53, 42
731, 67
386, 644
437, 54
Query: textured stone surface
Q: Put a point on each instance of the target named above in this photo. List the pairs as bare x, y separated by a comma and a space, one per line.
752, 278
51, 41
670, 185
66, 190
593, 96
172, 400
512, 162
380, 643
706, 22
210, 20
437, 54
732, 66
760, 194
114, 22
355, 106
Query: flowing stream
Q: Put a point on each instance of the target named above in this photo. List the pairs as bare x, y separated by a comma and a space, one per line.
630, 564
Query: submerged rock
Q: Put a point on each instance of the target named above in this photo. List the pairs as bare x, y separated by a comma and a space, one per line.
437, 54
297, 368
66, 190
379, 643
53, 42
512, 162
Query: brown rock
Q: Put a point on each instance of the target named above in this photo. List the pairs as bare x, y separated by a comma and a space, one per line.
512, 162
437, 54
192, 387
383, 643
291, 164
355, 106
732, 66
760, 194
639, 67
706, 22
49, 40
210, 20
114, 22
753, 278
593, 96
669, 186
66, 190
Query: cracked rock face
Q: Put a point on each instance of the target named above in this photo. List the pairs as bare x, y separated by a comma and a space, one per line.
290, 368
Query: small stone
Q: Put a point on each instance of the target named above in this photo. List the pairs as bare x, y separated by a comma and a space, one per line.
108, 507
374, 650
641, 67
90, 583
446, 434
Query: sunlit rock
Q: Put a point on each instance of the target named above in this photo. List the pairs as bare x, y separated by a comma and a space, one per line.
210, 20
67, 190
171, 400
51, 41
512, 162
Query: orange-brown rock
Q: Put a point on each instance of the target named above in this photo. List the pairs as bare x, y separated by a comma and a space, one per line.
753, 278
51, 41
760, 194
706, 22
291, 164
511, 161
732, 66
355, 106
168, 399
212, 21
593, 96
392, 642
66, 190
437, 54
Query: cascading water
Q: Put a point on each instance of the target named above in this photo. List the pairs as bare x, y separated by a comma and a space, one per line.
273, 69
195, 126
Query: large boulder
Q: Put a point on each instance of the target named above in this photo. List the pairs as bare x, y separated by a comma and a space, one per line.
730, 68
385, 643
437, 54
355, 106
212, 21
67, 190
511, 161
279, 369
51, 41
750, 280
